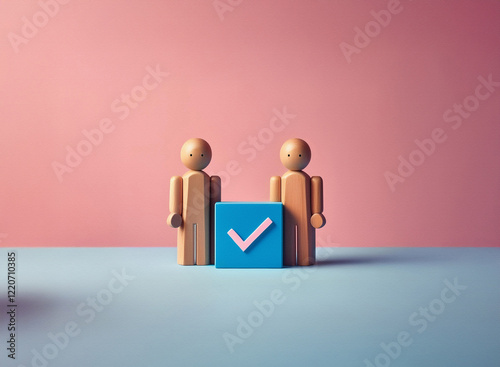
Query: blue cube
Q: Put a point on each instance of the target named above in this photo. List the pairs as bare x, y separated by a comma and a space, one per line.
248, 235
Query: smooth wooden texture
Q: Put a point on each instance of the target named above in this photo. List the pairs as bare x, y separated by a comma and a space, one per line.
174, 220
275, 189
316, 194
196, 210
299, 236
295, 154
215, 197
191, 206
317, 219
302, 198
196, 154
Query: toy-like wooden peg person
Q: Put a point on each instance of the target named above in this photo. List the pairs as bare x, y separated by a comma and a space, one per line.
192, 201
302, 198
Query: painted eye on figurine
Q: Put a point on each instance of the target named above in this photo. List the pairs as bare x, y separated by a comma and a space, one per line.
289, 155
300, 155
191, 155
202, 154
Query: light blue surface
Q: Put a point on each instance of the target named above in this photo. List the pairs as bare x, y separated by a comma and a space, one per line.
337, 313
244, 217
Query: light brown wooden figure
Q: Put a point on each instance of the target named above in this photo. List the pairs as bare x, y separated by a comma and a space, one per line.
302, 198
192, 200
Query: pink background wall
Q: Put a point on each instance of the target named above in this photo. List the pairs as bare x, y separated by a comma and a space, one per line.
360, 101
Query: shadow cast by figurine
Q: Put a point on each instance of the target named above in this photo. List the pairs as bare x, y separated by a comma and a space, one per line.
361, 260
400, 256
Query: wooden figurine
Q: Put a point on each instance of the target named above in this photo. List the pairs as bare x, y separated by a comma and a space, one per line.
302, 198
192, 201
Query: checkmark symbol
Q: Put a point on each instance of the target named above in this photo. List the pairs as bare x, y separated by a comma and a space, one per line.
243, 245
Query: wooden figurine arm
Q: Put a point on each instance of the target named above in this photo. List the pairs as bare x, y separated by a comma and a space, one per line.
215, 197
175, 203
215, 190
318, 220
275, 189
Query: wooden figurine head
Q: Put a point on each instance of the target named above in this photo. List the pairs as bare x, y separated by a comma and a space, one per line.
295, 154
196, 154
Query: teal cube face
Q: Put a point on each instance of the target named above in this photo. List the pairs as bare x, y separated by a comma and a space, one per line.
248, 235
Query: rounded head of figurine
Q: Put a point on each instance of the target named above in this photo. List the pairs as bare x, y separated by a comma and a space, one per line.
295, 154
196, 154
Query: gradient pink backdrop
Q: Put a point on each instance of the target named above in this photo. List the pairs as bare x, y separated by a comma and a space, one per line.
226, 77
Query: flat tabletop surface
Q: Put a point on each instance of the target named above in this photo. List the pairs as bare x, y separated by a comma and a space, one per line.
356, 307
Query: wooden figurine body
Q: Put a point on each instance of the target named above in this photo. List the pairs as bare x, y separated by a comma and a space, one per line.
298, 231
194, 232
302, 198
192, 200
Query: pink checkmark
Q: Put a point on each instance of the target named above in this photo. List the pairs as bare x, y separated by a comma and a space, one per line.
243, 245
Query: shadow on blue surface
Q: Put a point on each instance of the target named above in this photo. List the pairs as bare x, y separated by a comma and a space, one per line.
34, 304
400, 257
